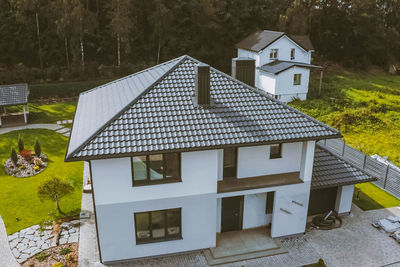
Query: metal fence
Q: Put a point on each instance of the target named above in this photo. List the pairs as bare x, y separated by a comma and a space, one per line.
388, 177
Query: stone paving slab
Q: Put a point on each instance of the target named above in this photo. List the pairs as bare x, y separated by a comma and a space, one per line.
357, 242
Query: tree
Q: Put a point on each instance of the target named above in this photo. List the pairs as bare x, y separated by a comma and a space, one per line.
20, 145
14, 157
38, 148
54, 189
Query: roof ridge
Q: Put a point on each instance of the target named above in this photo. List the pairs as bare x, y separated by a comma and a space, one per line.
263, 93
179, 61
131, 75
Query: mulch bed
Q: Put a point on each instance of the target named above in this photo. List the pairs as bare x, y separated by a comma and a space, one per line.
69, 260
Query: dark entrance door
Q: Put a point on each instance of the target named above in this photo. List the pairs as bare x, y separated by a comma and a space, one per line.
232, 214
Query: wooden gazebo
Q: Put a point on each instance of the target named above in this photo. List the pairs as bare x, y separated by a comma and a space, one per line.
13, 95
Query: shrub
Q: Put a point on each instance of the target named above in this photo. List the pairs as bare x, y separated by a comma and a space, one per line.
14, 157
38, 148
58, 264
42, 256
26, 154
20, 145
65, 251
69, 258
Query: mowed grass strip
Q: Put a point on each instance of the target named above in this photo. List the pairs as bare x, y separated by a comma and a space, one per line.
20, 206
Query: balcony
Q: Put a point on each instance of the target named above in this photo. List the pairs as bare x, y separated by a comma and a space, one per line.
234, 184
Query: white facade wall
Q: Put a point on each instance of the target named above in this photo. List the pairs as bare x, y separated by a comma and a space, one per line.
284, 44
266, 82
117, 201
284, 81
255, 161
344, 198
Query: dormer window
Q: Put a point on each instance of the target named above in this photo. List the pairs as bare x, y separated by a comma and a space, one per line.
273, 54
292, 54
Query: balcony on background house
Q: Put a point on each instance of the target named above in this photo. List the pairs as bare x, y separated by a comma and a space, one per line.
238, 184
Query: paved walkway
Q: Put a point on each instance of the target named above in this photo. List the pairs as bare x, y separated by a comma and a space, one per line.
6, 257
50, 126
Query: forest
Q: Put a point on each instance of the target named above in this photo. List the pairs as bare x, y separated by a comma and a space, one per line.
52, 40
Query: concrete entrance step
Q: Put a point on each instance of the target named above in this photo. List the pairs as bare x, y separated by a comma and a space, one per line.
242, 257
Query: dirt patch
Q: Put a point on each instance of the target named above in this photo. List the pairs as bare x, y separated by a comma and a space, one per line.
55, 255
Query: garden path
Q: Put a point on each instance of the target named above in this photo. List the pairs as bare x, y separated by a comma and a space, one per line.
58, 128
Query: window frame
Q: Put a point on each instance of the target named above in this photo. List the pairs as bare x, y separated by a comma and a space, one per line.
273, 156
164, 180
236, 150
163, 239
294, 79
292, 53
272, 52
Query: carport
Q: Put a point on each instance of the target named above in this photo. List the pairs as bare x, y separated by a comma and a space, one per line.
333, 181
13, 95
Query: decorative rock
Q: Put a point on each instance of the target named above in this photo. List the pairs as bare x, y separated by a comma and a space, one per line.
63, 241
73, 238
13, 236
72, 230
21, 246
32, 244
25, 241
34, 252
44, 246
23, 256
35, 227
30, 231
39, 243
29, 250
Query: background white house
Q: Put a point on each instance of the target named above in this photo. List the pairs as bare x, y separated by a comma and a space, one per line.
181, 152
282, 63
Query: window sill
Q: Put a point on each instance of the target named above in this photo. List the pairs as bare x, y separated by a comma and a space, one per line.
149, 241
156, 182
276, 157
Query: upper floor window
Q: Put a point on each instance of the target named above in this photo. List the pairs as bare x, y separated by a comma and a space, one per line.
157, 226
292, 54
155, 169
230, 155
273, 54
297, 79
275, 151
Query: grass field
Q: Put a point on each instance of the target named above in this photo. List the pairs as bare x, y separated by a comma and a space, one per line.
19, 205
365, 107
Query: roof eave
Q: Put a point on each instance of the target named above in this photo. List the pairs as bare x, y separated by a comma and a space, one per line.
122, 155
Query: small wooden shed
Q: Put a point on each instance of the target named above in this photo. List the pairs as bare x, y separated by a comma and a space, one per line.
14, 95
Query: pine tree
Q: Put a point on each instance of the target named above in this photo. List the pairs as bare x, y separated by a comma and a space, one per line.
20, 145
38, 148
14, 157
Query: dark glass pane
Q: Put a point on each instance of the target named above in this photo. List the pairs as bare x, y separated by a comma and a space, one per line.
270, 203
275, 151
156, 167
229, 162
158, 224
174, 222
142, 225
172, 166
139, 168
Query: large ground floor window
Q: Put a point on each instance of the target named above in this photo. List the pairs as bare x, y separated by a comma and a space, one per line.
157, 226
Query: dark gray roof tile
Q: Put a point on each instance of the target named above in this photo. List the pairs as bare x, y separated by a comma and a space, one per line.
164, 118
330, 170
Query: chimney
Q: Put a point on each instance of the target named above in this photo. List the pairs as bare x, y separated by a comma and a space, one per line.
244, 69
203, 84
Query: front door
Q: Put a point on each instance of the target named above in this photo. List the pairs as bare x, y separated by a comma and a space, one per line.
232, 214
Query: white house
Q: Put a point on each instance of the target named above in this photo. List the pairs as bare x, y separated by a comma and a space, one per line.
282, 63
181, 152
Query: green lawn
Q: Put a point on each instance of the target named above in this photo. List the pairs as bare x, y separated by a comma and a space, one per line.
372, 197
19, 205
48, 113
365, 107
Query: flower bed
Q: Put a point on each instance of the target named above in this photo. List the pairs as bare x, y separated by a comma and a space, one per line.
26, 166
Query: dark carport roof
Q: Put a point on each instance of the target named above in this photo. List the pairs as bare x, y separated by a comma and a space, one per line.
277, 66
159, 115
13, 94
331, 170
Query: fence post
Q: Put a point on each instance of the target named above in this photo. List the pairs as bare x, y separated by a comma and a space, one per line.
386, 175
